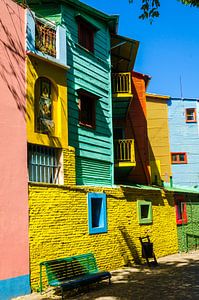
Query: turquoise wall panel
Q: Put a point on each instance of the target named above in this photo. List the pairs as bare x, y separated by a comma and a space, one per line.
93, 172
14, 287
91, 72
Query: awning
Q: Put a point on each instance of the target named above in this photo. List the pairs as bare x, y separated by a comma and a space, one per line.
181, 189
123, 53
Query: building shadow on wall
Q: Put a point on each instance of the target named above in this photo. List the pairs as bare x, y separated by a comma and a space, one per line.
135, 258
139, 192
12, 64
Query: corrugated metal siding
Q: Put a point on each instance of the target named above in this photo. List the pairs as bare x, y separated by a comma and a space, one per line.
92, 172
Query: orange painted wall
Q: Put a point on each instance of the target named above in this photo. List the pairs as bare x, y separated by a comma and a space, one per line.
136, 127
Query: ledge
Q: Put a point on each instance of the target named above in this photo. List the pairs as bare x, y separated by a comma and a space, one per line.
53, 62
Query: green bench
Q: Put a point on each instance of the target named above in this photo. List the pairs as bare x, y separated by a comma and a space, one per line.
72, 272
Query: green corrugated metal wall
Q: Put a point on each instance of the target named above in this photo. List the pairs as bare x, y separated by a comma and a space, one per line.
92, 172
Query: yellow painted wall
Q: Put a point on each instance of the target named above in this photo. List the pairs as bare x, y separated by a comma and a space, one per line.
158, 133
35, 68
58, 223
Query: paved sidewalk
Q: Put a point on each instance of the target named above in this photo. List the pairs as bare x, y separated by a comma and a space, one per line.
176, 277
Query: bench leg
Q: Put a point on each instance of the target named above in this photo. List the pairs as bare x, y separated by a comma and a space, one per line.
109, 280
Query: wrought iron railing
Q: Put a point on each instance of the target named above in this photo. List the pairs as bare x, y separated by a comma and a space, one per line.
124, 150
45, 38
121, 83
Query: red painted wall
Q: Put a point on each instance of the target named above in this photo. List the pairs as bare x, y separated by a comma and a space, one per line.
14, 259
136, 126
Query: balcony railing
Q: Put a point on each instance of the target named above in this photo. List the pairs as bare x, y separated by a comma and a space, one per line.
45, 39
124, 152
121, 83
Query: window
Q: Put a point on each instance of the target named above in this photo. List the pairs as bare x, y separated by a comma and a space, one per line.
86, 35
44, 96
45, 38
87, 111
178, 158
181, 210
144, 212
97, 215
43, 164
190, 115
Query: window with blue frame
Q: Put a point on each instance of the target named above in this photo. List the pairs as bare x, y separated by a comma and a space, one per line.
44, 164
97, 214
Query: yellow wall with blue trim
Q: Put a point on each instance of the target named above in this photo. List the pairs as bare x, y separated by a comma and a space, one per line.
36, 68
59, 223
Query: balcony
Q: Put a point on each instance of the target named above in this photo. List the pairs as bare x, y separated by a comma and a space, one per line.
121, 84
124, 153
46, 40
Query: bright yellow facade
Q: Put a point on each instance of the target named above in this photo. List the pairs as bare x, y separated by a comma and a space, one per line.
39, 68
158, 133
58, 224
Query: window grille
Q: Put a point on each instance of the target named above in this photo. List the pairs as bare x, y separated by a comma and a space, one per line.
43, 164
45, 39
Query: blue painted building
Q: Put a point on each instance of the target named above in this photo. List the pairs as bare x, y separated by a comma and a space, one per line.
184, 141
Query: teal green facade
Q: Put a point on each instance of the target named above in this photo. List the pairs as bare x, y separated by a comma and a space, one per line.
92, 73
188, 233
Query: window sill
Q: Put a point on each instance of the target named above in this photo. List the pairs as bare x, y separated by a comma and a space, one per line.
179, 163
87, 126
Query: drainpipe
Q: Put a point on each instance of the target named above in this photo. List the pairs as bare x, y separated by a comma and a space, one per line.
171, 181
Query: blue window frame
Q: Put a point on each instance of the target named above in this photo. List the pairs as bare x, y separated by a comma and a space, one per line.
97, 214
43, 164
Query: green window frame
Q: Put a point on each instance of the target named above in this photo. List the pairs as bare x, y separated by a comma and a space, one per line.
144, 210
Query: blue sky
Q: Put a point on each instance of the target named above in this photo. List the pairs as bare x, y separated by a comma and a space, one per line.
169, 48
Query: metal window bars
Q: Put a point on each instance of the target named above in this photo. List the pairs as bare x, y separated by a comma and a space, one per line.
121, 82
43, 164
124, 150
45, 38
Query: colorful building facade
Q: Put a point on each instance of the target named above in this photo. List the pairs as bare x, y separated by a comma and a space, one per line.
66, 219
47, 113
184, 141
64, 222
89, 90
14, 242
68, 135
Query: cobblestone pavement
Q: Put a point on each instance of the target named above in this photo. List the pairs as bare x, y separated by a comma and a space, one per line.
175, 277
